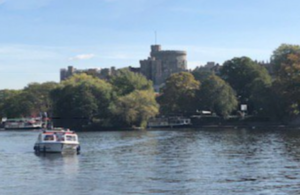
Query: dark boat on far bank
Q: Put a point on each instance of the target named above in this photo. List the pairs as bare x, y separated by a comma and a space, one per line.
169, 122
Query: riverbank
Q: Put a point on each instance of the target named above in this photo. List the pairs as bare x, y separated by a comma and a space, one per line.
207, 125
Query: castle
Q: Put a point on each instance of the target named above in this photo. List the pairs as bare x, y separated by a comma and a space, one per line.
104, 73
161, 64
158, 67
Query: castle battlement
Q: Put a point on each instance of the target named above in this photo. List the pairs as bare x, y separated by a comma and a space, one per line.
170, 53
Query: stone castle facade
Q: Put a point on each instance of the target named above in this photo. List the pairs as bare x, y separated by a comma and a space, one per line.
158, 67
104, 73
161, 64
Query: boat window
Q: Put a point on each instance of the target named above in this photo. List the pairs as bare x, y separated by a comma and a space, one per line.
49, 138
70, 138
59, 137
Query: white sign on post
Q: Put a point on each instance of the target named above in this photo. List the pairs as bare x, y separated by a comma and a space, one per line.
244, 107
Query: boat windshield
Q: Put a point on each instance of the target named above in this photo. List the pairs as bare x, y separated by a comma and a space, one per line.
49, 137
71, 138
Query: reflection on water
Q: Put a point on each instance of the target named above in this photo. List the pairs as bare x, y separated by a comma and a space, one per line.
156, 162
59, 164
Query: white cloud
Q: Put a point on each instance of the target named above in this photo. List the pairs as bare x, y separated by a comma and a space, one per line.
82, 57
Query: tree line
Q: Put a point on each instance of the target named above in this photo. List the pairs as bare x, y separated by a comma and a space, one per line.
127, 99
86, 102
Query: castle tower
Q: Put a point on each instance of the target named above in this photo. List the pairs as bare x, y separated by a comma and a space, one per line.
162, 63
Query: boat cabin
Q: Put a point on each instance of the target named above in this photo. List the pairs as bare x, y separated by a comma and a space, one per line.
58, 136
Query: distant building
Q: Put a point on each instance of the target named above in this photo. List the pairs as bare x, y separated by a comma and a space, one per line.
158, 67
104, 73
134, 69
161, 64
210, 67
213, 67
66, 73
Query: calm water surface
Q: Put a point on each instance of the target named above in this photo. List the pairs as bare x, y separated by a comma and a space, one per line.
156, 162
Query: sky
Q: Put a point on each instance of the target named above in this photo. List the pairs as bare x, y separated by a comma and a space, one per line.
39, 37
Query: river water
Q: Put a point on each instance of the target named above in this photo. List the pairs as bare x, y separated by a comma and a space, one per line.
180, 162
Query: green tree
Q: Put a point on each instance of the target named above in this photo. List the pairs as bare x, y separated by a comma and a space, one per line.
39, 96
4, 96
288, 84
217, 96
280, 56
126, 81
201, 74
136, 108
15, 104
265, 101
178, 94
241, 73
81, 100
30, 101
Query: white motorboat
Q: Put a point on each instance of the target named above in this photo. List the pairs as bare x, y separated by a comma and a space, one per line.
57, 141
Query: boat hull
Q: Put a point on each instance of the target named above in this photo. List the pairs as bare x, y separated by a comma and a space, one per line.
57, 148
169, 122
21, 126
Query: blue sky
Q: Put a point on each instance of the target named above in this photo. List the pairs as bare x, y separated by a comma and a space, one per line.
38, 37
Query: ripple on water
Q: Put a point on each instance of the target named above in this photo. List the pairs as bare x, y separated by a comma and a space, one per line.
227, 161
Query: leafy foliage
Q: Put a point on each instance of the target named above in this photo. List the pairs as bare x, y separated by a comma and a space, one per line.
136, 108
288, 83
241, 73
39, 96
178, 94
200, 74
81, 99
217, 96
125, 82
280, 56
15, 105
30, 101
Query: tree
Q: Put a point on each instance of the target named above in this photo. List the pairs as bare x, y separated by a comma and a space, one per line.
80, 100
27, 102
280, 56
217, 96
265, 101
126, 81
288, 83
240, 73
136, 108
15, 104
4, 96
39, 96
201, 74
178, 94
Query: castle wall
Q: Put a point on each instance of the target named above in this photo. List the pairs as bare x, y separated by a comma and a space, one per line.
162, 64
104, 73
